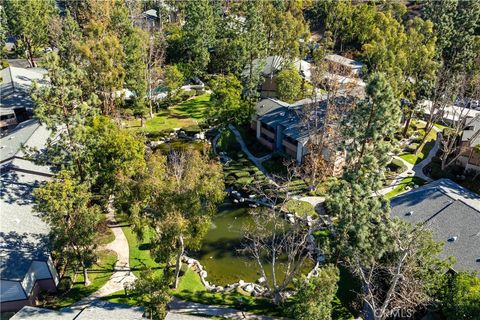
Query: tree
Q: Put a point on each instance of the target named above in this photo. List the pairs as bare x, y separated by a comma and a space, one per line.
372, 124
152, 291
270, 240
199, 34
314, 297
64, 107
289, 84
255, 45
456, 27
101, 55
134, 43
65, 204
172, 79
406, 277
64, 32
225, 103
28, 22
460, 297
178, 195
420, 71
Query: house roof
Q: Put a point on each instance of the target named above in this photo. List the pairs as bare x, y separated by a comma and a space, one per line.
23, 235
272, 64
449, 210
98, 309
292, 118
471, 133
344, 61
452, 113
11, 144
16, 85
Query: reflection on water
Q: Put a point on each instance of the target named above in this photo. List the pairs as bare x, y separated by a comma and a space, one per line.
220, 250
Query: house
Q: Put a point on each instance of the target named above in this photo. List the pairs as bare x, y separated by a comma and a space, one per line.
96, 310
26, 267
269, 67
290, 128
452, 213
450, 114
343, 66
468, 146
16, 105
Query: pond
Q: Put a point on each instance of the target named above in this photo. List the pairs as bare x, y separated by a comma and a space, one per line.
220, 249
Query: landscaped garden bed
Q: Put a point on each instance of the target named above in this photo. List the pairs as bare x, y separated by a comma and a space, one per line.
409, 152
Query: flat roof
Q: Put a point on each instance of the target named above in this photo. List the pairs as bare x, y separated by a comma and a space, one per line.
450, 212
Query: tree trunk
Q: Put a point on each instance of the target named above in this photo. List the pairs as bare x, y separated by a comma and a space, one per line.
178, 264
407, 123
29, 53
142, 122
85, 275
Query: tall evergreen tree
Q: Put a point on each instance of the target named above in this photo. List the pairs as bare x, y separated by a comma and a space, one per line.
199, 35
29, 22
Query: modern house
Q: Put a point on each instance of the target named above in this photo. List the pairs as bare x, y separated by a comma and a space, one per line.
26, 267
452, 213
290, 128
15, 102
469, 146
96, 310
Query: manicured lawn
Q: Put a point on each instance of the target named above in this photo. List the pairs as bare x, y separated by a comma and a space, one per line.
187, 113
191, 289
423, 153
139, 250
98, 275
300, 208
401, 187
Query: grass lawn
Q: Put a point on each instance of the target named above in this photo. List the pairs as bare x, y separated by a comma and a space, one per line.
98, 274
187, 113
423, 153
406, 182
191, 289
140, 257
300, 208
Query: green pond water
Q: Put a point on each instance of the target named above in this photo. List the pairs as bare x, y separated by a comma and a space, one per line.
219, 253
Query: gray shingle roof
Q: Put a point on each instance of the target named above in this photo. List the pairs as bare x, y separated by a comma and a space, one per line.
449, 210
23, 235
97, 310
10, 145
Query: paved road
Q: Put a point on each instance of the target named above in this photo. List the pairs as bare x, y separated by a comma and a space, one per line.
122, 274
187, 307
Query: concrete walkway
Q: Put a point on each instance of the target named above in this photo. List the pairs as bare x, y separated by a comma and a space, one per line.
122, 275
256, 161
415, 170
187, 307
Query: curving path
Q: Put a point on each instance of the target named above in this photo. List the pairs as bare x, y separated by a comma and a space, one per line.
415, 170
122, 275
256, 161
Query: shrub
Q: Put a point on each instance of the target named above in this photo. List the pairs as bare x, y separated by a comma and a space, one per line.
397, 166
185, 94
245, 181
412, 147
192, 130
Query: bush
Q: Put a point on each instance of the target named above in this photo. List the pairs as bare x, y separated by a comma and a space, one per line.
412, 147
244, 181
192, 130
397, 166
186, 94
